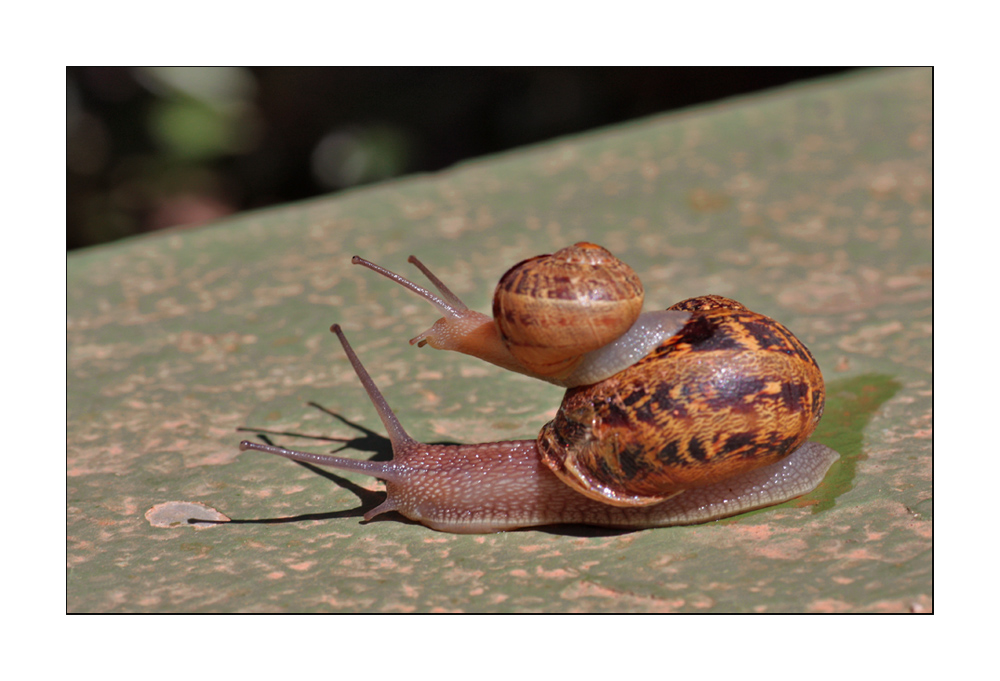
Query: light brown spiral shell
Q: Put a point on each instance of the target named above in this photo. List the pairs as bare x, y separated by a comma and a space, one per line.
551, 309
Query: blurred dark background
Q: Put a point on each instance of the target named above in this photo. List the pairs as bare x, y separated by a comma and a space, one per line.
149, 148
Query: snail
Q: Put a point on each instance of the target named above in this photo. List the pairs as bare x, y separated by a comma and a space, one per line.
678, 417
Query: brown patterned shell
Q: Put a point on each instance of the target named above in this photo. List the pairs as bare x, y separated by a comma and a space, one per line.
553, 308
732, 391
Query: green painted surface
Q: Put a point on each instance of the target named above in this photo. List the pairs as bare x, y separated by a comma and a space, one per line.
810, 204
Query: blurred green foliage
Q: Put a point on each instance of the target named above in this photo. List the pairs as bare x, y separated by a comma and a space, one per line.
156, 147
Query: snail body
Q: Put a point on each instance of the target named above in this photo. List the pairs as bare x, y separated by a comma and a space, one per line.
673, 417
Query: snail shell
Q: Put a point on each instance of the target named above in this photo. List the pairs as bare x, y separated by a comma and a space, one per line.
733, 390
552, 309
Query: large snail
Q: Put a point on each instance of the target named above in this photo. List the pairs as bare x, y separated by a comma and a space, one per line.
674, 417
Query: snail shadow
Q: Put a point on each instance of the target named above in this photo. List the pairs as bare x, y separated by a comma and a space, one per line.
584, 531
368, 499
368, 441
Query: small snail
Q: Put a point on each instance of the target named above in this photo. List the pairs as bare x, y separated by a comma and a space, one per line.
676, 417
571, 318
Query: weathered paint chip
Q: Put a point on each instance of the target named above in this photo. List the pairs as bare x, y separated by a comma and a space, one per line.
184, 514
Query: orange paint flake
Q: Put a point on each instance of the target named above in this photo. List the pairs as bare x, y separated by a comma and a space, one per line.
829, 605
558, 573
